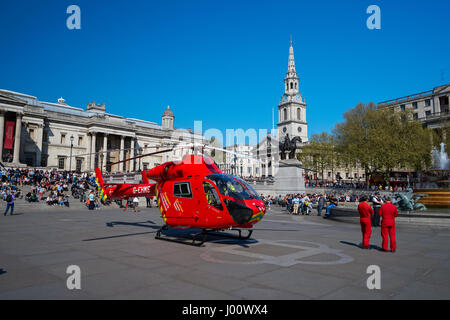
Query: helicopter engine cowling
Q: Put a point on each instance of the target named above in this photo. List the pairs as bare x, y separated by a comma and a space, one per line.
161, 172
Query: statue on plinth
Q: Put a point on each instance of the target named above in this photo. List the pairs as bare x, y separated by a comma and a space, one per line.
288, 147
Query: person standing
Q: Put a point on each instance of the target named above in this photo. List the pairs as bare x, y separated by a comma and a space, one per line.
388, 213
296, 203
136, 204
376, 203
365, 213
9, 202
320, 205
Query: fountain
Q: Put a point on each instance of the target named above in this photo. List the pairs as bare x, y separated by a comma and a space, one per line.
440, 159
437, 184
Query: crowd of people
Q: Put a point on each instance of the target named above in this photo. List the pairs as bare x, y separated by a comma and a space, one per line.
53, 187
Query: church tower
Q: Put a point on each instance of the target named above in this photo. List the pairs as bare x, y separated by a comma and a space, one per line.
292, 107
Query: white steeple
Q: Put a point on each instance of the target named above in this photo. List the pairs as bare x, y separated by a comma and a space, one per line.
292, 107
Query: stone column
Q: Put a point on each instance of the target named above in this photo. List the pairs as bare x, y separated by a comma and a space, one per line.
17, 138
93, 150
105, 147
2, 133
90, 150
122, 146
39, 141
133, 146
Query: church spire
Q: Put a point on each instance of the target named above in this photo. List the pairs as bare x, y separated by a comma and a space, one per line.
291, 64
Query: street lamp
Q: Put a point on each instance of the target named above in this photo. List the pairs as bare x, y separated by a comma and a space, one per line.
71, 146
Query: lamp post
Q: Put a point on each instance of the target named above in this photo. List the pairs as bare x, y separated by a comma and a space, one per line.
71, 146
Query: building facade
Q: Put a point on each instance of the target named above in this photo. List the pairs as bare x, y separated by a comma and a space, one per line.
429, 107
56, 135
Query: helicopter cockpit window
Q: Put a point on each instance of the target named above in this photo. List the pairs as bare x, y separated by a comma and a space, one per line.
182, 189
249, 187
230, 187
211, 195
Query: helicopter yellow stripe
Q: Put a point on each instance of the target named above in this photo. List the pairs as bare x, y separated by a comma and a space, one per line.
258, 216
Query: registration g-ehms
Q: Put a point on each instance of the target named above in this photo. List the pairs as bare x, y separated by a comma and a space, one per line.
193, 193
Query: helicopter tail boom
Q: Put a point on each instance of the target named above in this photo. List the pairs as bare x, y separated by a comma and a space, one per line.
101, 186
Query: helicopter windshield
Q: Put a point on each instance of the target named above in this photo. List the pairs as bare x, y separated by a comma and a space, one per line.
229, 187
248, 186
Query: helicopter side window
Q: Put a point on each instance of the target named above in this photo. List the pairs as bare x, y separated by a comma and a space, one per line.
182, 190
211, 195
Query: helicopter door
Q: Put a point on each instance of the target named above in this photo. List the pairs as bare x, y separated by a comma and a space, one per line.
212, 199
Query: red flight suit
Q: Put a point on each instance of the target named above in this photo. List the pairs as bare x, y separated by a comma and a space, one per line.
388, 212
365, 212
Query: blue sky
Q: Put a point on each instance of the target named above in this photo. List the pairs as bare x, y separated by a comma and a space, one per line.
223, 62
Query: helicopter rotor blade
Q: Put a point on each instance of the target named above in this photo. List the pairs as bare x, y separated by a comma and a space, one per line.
140, 156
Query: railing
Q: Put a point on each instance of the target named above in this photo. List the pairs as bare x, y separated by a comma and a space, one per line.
438, 114
413, 96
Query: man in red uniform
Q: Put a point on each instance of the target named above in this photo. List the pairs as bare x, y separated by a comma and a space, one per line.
388, 213
365, 213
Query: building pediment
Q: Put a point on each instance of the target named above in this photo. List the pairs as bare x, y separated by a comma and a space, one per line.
442, 89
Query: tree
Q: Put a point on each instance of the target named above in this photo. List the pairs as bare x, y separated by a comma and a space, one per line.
380, 140
318, 154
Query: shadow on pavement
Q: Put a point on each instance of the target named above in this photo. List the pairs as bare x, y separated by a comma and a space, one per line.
371, 246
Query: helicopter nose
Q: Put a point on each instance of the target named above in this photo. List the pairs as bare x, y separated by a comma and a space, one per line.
240, 213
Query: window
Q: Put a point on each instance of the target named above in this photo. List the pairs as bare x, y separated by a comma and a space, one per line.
428, 113
80, 141
211, 195
298, 113
414, 105
415, 116
61, 163
182, 190
284, 114
402, 107
79, 163
230, 187
63, 138
292, 85
427, 103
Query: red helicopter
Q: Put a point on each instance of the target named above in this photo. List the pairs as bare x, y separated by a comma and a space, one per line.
195, 194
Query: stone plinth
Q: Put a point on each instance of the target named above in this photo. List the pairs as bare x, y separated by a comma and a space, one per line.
289, 177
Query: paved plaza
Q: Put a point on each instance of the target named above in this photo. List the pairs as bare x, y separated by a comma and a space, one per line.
288, 257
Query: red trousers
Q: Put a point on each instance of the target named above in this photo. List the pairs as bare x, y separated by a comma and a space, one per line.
366, 229
386, 233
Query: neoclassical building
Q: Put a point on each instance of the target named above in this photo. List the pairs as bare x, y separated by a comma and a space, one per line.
56, 135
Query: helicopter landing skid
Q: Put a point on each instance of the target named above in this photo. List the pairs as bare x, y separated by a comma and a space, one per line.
225, 235
194, 242
202, 235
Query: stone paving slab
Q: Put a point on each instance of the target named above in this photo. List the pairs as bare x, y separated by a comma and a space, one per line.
287, 258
